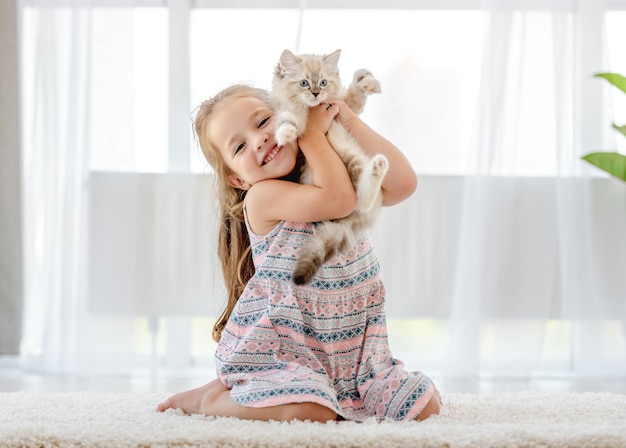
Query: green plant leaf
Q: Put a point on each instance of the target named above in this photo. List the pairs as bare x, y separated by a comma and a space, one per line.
614, 78
611, 162
620, 129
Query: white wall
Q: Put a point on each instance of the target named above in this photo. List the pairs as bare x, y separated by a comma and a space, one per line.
10, 210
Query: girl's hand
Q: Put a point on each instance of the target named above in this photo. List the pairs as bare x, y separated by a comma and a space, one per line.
346, 116
400, 181
320, 119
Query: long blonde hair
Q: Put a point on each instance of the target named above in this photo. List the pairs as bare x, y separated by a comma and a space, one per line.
233, 242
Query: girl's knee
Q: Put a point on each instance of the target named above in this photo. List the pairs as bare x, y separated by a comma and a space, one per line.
309, 411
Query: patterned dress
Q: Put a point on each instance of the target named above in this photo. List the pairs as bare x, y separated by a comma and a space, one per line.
325, 342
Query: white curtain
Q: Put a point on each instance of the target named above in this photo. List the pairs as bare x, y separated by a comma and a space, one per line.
54, 170
59, 52
525, 271
539, 259
511, 263
116, 261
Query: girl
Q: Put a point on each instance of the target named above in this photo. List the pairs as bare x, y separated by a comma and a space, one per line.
315, 352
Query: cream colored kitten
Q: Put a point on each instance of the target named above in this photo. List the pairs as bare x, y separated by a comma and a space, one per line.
307, 80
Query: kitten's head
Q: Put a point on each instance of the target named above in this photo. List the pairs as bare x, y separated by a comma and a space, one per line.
309, 78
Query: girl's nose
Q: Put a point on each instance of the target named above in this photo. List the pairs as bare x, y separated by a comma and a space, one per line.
262, 142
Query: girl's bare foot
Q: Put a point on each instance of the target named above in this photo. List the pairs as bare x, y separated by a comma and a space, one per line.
194, 401
214, 399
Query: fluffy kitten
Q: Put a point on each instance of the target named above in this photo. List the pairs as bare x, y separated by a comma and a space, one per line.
307, 80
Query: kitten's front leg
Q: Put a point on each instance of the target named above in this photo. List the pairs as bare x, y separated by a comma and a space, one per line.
286, 128
363, 84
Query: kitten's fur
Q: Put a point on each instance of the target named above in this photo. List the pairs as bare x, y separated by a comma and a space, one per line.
307, 80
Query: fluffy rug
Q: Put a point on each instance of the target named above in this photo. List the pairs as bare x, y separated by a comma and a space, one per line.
88, 419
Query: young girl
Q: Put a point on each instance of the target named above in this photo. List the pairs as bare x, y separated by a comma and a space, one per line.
315, 352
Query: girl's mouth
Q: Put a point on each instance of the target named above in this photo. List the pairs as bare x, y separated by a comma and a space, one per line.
271, 154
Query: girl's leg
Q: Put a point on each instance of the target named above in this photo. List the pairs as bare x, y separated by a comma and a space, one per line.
214, 399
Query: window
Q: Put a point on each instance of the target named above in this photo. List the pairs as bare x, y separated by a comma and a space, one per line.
615, 37
129, 104
429, 62
149, 63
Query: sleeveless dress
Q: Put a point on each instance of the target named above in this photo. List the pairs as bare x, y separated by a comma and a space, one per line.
325, 342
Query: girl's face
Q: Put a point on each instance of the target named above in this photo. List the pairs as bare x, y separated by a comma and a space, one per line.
243, 131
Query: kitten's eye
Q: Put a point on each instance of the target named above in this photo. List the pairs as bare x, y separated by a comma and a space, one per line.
323, 83
263, 122
304, 83
239, 148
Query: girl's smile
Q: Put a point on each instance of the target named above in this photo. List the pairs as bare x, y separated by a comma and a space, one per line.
273, 152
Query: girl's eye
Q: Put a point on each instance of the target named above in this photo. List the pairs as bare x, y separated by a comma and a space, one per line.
263, 122
323, 83
239, 147
304, 83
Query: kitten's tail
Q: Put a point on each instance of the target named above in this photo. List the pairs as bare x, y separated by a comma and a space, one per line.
330, 238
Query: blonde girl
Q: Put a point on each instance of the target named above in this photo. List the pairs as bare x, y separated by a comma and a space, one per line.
315, 352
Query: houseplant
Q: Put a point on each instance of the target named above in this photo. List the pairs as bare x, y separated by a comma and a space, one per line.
613, 163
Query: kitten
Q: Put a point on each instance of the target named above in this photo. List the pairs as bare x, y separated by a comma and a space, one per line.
307, 80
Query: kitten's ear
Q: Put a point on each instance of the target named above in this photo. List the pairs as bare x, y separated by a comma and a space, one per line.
288, 62
331, 61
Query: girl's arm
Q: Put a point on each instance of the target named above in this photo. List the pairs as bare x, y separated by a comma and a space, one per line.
400, 181
330, 196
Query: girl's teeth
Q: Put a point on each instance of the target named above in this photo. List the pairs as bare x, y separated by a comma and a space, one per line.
271, 155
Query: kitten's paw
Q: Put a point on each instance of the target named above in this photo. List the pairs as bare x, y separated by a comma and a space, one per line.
366, 82
286, 133
380, 165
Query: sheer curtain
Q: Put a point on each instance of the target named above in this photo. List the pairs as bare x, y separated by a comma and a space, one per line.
508, 261
55, 108
516, 267
538, 287
530, 244
60, 50
114, 243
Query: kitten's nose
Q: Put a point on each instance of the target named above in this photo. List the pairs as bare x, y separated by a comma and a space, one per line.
315, 94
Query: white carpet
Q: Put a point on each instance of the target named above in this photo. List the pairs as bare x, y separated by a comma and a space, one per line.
88, 419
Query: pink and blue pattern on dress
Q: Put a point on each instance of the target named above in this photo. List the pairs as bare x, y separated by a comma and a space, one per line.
325, 342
